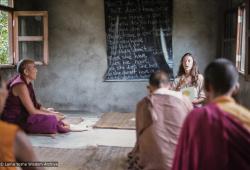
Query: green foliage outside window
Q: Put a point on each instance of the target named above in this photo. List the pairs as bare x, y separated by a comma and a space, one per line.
4, 2
4, 37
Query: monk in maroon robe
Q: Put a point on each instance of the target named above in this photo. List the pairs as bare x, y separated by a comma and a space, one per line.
22, 107
159, 118
14, 144
216, 136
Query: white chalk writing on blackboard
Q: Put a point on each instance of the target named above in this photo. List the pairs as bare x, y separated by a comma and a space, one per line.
139, 38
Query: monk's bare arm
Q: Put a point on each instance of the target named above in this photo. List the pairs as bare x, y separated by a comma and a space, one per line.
52, 111
22, 92
24, 152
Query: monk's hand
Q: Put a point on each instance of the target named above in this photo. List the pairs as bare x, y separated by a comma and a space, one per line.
59, 117
62, 116
59, 114
50, 109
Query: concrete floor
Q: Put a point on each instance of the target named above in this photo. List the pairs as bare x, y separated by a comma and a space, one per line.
92, 137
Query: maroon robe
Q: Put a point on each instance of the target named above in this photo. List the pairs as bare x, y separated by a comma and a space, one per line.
15, 112
212, 139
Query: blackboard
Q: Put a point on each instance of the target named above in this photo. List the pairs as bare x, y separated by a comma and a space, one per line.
139, 38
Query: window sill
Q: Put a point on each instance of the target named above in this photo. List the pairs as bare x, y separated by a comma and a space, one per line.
7, 66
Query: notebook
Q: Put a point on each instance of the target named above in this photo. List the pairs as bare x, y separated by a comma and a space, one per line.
190, 92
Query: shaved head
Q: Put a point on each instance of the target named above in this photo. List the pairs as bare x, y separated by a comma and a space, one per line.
222, 75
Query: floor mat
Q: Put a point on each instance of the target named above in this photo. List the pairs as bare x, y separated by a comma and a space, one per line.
114, 120
89, 158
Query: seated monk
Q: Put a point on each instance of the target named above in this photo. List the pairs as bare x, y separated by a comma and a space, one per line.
159, 118
15, 145
22, 107
216, 136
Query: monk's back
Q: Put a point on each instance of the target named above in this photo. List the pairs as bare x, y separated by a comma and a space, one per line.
157, 142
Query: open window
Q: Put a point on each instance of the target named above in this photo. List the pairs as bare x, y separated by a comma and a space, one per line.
236, 39
241, 39
31, 36
23, 34
230, 32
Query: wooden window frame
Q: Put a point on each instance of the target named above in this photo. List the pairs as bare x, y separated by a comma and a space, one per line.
247, 59
241, 31
43, 38
14, 39
246, 74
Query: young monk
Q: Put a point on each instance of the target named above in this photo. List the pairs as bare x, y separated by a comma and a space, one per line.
216, 136
22, 107
159, 118
14, 143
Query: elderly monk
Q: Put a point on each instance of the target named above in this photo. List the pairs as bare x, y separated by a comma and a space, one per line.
14, 143
22, 107
159, 118
216, 136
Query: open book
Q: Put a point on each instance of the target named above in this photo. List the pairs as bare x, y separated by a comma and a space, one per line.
190, 92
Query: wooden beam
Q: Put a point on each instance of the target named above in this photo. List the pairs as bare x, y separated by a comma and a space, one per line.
247, 43
30, 38
6, 8
31, 13
45, 34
